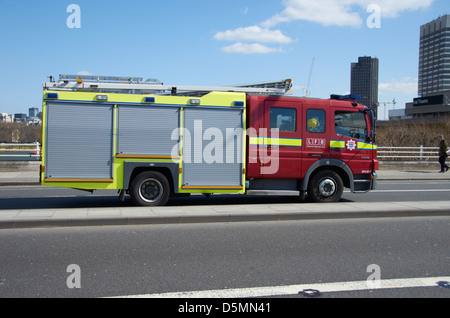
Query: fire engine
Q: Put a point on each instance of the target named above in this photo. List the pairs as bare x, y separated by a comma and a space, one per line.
153, 141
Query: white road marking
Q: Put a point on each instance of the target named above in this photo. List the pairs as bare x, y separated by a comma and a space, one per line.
295, 289
405, 191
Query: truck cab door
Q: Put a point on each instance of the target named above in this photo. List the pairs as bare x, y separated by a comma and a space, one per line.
280, 151
316, 128
351, 142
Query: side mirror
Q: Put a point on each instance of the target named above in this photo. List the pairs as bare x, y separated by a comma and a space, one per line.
372, 135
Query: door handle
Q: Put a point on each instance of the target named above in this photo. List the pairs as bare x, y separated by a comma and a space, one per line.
315, 155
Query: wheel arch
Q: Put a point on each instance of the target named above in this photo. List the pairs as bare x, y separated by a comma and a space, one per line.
133, 169
336, 165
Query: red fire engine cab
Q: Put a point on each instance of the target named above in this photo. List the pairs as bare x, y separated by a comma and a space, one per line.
321, 146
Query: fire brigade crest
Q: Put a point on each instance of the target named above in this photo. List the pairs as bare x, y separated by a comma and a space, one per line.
351, 144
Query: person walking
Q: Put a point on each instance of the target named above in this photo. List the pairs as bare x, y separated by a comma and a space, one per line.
443, 147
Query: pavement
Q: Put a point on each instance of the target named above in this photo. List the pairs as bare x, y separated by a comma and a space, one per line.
129, 215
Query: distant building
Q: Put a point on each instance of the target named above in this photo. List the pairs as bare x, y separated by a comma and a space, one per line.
20, 118
434, 57
364, 81
435, 105
5, 118
398, 114
33, 112
434, 72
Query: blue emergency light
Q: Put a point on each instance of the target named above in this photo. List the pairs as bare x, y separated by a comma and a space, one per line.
149, 99
52, 95
345, 97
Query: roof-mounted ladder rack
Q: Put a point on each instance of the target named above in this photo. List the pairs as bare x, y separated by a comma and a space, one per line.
136, 85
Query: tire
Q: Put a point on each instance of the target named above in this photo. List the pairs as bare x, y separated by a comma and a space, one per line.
150, 188
326, 186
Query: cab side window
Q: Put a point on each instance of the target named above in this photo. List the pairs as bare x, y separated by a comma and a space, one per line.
284, 119
315, 121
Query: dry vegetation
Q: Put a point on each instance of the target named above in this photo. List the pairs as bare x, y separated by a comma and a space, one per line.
19, 133
398, 134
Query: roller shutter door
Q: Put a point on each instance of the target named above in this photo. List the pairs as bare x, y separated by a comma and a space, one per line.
147, 131
213, 155
79, 141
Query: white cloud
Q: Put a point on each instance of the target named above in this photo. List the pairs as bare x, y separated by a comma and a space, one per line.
250, 48
405, 86
253, 34
326, 12
341, 12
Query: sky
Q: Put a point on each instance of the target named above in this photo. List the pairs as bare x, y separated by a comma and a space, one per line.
212, 42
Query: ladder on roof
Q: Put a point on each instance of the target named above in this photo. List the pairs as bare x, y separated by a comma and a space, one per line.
136, 85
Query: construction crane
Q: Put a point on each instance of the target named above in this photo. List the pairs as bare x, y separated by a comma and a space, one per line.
306, 91
388, 103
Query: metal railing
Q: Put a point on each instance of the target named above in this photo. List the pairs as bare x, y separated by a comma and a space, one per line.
408, 153
384, 153
20, 151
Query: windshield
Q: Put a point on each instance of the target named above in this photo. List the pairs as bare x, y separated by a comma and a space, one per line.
351, 124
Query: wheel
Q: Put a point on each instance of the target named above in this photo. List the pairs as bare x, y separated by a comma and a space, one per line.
326, 186
150, 188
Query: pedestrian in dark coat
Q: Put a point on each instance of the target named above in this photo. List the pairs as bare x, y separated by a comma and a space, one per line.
443, 148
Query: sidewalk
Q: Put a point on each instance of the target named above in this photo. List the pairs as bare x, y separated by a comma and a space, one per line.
412, 175
129, 215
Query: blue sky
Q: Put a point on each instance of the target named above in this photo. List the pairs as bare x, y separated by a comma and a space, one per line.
212, 42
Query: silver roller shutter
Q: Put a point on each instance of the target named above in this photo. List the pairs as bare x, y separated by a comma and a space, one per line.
79, 141
144, 130
226, 167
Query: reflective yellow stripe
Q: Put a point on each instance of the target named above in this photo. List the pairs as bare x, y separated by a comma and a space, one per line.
360, 144
285, 142
337, 144
288, 142
256, 141
366, 146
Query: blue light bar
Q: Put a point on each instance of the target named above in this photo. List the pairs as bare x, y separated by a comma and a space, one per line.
52, 95
353, 96
239, 103
346, 97
149, 99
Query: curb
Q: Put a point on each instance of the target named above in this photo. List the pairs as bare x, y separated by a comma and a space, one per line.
19, 184
24, 223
